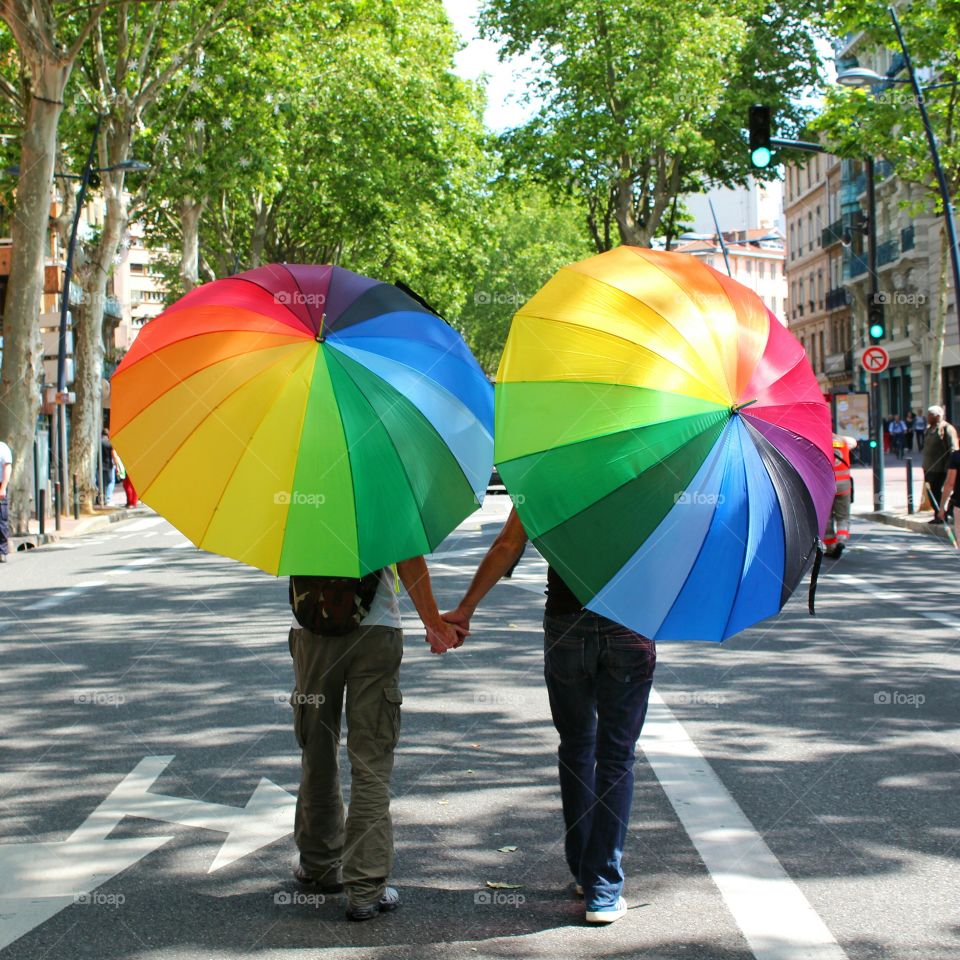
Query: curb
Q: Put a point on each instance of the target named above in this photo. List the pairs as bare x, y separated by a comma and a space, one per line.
907, 523
83, 527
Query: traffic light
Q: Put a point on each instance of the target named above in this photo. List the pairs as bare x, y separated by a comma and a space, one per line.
759, 126
875, 323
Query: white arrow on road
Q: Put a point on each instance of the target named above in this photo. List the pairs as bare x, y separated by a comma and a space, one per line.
37, 880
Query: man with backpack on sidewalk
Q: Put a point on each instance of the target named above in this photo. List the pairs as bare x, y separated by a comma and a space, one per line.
346, 642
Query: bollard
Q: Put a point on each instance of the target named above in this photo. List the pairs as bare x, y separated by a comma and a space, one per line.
909, 465
76, 499
42, 510
57, 494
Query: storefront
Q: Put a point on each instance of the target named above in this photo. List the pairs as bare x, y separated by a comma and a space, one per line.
895, 390
951, 393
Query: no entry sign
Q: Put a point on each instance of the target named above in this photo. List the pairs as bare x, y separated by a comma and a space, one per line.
875, 359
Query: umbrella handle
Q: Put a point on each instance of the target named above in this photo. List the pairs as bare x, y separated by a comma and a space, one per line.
812, 593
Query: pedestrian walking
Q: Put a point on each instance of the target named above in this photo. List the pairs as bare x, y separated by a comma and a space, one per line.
946, 509
908, 430
897, 430
838, 526
939, 441
346, 643
598, 676
124, 478
108, 467
6, 468
919, 426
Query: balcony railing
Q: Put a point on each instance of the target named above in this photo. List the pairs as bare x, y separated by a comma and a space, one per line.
112, 308
837, 297
832, 234
887, 252
907, 239
857, 265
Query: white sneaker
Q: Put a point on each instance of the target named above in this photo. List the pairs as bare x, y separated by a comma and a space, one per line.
608, 915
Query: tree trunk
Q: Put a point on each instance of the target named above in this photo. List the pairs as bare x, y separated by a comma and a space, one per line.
190, 213
89, 344
259, 238
940, 324
22, 356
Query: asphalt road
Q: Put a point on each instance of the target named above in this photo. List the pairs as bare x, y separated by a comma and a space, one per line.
798, 796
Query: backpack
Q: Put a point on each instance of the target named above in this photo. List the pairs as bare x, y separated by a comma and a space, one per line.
332, 606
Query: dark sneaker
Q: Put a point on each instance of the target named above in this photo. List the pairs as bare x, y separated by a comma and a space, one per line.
302, 875
367, 911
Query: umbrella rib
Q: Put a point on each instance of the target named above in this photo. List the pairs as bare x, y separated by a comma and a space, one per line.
633, 343
386, 432
273, 294
746, 543
612, 433
212, 411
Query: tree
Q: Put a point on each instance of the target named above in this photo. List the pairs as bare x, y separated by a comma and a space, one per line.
134, 54
527, 237
643, 101
48, 45
886, 123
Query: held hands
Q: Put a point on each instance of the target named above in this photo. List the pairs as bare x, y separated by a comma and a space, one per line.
460, 618
443, 636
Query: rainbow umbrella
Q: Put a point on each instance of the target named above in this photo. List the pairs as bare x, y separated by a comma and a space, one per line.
666, 443
305, 420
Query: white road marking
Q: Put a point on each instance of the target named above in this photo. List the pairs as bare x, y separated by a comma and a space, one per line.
775, 917
38, 880
47, 602
890, 596
142, 524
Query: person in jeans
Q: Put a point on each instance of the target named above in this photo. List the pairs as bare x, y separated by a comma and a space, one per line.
919, 426
897, 430
598, 676
353, 849
939, 441
6, 468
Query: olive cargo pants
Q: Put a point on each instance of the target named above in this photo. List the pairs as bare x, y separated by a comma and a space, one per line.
365, 666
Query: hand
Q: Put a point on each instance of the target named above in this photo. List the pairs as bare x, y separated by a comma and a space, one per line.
443, 636
460, 618
3, 494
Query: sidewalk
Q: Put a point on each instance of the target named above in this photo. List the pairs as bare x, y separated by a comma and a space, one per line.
87, 523
895, 498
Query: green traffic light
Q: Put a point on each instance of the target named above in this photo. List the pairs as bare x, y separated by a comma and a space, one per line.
761, 157
876, 330
873, 443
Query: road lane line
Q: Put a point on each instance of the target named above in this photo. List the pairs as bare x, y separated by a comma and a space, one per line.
905, 603
771, 911
47, 602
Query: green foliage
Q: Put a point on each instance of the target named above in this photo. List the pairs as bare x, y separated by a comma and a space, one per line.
644, 100
886, 122
528, 237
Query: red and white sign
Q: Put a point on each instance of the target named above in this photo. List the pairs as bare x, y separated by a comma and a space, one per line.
875, 359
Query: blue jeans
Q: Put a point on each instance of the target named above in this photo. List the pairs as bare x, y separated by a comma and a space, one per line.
598, 676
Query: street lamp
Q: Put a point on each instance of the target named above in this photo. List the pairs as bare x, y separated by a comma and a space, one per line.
60, 448
864, 77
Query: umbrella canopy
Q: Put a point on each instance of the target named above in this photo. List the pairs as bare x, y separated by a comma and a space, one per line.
666, 443
305, 420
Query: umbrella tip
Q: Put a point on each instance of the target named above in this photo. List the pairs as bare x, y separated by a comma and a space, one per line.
737, 407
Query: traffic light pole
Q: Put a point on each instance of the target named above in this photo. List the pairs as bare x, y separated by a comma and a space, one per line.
876, 432
875, 396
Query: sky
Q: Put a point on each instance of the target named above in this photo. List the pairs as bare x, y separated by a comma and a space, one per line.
505, 85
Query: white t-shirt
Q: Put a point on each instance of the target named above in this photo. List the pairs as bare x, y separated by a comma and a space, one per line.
385, 609
5, 455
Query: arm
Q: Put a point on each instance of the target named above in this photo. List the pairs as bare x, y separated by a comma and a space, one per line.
502, 555
441, 636
5, 479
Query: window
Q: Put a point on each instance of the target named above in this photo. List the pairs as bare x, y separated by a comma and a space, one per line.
823, 358
749, 264
820, 289
136, 268
761, 269
793, 249
809, 230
